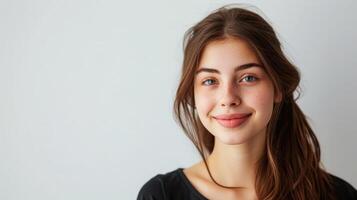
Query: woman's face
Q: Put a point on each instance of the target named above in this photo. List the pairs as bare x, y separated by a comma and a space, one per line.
233, 95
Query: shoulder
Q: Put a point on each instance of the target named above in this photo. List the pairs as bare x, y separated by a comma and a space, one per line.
344, 190
153, 189
161, 186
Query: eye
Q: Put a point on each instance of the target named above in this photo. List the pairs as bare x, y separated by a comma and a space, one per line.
208, 82
249, 78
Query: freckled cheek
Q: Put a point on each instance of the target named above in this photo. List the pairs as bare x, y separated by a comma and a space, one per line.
204, 101
262, 101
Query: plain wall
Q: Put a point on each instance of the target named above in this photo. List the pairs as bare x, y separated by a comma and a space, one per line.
87, 88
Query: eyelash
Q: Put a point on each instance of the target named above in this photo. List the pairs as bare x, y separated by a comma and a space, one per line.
203, 83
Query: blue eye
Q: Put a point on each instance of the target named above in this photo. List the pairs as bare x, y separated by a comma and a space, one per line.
209, 81
249, 78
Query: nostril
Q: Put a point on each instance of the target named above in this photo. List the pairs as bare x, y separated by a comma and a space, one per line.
232, 104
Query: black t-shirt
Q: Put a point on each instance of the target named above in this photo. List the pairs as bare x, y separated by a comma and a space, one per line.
175, 185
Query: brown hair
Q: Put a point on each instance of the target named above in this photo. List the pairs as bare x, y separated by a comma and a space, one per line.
290, 167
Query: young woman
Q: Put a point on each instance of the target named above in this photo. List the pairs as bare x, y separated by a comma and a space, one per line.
235, 102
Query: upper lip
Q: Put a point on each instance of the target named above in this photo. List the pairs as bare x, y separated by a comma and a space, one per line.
231, 116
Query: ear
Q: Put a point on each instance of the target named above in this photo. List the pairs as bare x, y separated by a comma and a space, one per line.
278, 97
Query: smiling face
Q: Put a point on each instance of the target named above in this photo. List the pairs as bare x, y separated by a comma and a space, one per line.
231, 80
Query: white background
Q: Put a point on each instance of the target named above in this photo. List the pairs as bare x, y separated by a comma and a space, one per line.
87, 88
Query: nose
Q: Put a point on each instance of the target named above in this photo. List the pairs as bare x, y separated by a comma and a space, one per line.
230, 95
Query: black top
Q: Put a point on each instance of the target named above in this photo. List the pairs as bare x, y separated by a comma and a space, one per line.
175, 185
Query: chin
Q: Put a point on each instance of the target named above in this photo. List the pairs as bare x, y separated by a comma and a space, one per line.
232, 139
237, 137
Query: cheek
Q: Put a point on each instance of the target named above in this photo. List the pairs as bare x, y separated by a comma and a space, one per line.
203, 101
262, 101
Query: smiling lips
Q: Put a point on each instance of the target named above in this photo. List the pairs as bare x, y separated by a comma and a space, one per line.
232, 120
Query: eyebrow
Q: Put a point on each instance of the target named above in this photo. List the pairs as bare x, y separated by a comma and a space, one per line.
238, 68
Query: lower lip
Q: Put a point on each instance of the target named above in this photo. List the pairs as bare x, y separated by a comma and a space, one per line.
232, 123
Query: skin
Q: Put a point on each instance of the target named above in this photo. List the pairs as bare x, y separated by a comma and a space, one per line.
236, 150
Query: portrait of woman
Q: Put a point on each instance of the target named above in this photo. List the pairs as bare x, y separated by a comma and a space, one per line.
236, 102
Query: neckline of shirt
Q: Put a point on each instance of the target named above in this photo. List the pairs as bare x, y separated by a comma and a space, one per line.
189, 184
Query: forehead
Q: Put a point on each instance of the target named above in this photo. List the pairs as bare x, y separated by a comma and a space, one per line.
227, 53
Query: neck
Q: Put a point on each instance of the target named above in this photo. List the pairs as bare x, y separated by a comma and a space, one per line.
236, 165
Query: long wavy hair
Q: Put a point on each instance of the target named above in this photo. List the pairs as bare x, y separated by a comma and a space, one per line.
290, 167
